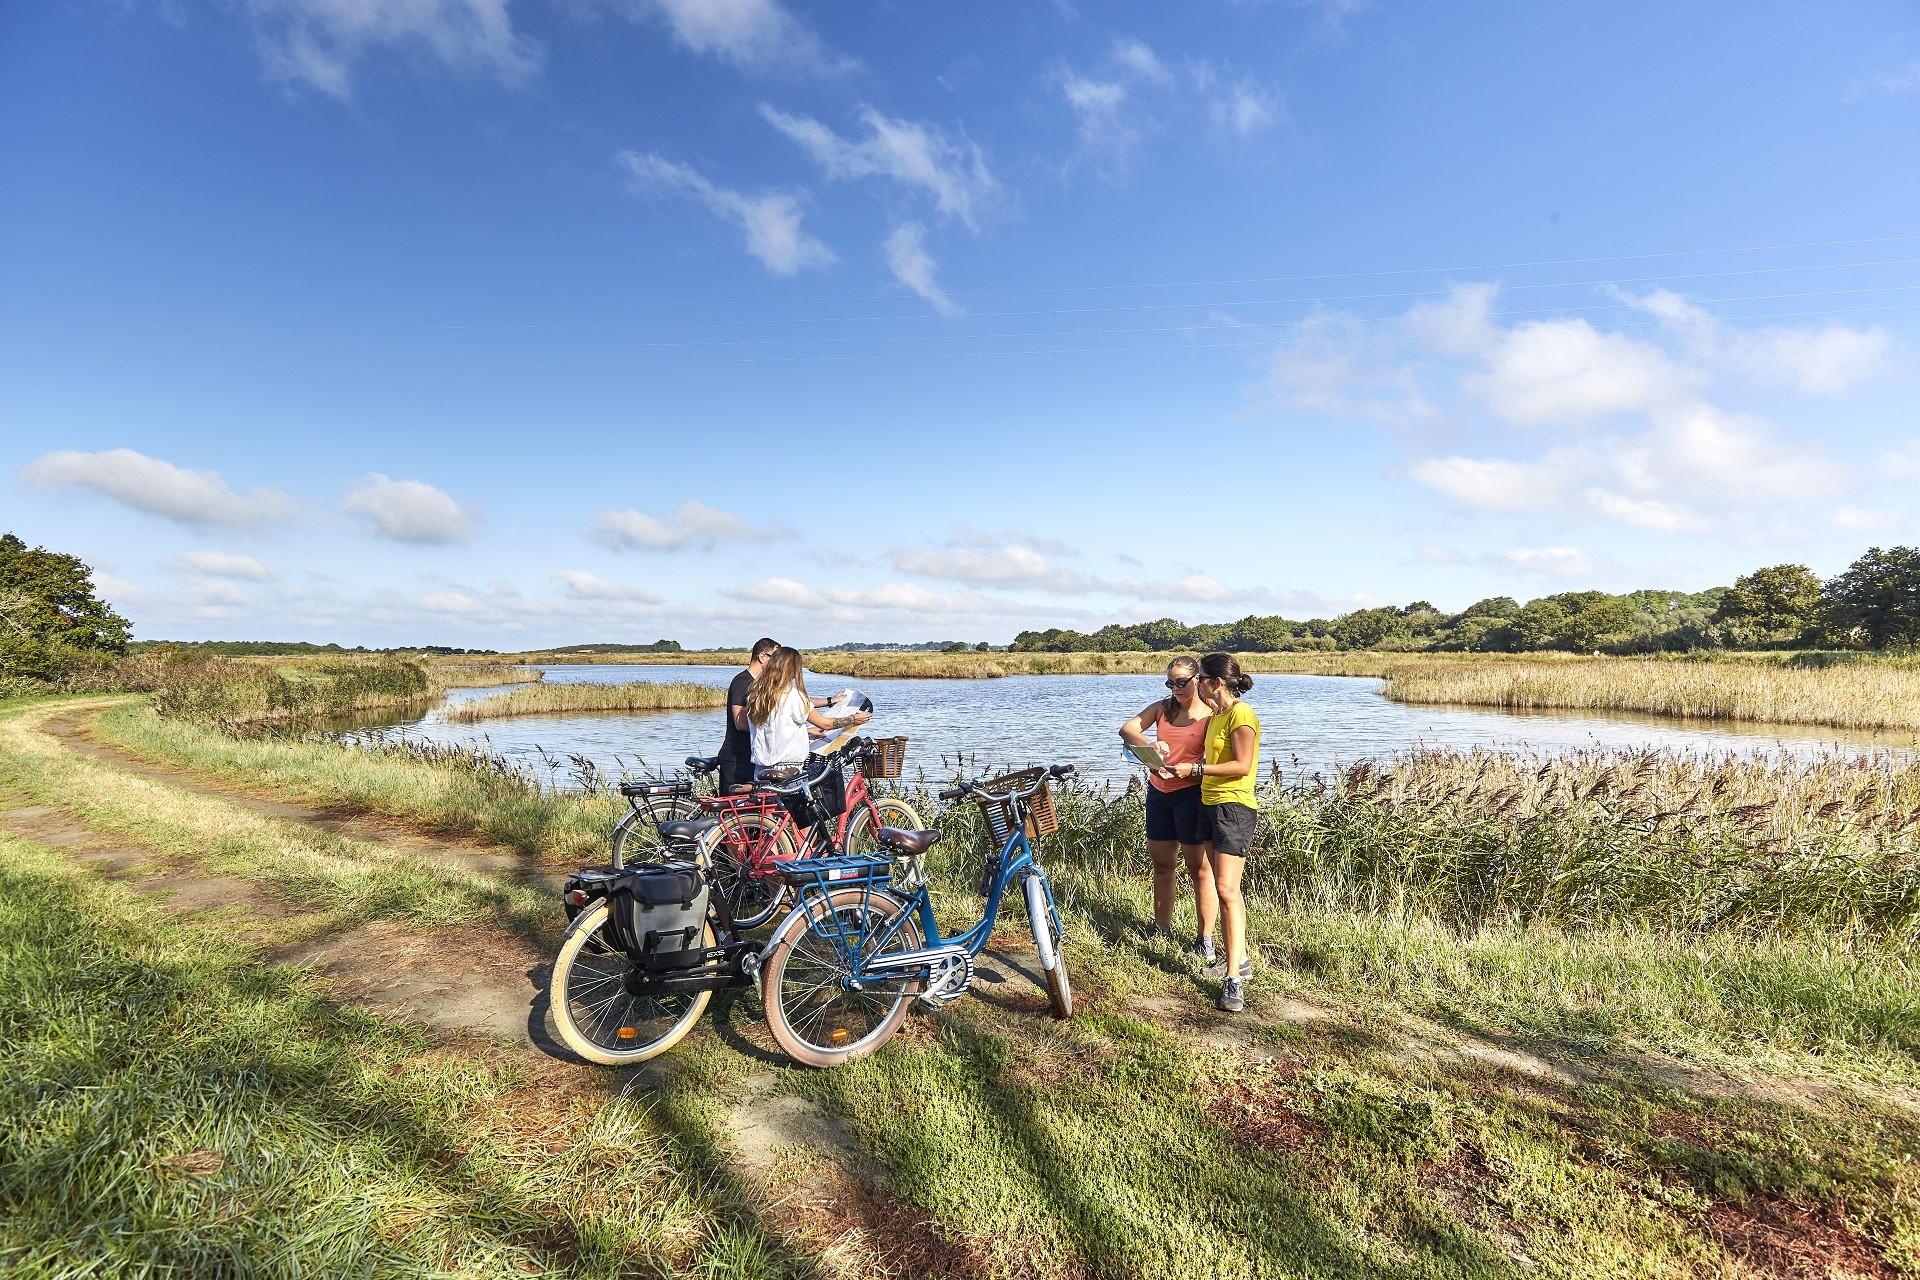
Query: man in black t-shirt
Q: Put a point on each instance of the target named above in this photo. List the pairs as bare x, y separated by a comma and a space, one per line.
736, 749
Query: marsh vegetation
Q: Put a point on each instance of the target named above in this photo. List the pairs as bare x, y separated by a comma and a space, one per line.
567, 699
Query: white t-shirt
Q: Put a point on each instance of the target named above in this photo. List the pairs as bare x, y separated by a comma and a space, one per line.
783, 738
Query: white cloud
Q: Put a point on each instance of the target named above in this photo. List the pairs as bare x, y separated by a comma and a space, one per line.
1645, 513
1567, 373
1245, 108
953, 173
581, 585
409, 510
1498, 484
221, 564
455, 602
913, 266
1098, 109
1902, 463
1551, 562
1137, 58
770, 220
159, 488
317, 42
999, 566
211, 592
1829, 361
1441, 555
748, 33
1723, 459
691, 525
1866, 520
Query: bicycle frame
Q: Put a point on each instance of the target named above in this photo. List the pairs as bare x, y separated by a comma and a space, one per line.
817, 843
1016, 860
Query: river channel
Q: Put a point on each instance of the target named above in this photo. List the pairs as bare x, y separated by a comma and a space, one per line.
1308, 722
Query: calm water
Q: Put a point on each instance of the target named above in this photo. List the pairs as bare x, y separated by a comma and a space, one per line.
1308, 722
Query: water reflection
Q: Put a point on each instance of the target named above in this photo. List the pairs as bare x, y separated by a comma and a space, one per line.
1309, 723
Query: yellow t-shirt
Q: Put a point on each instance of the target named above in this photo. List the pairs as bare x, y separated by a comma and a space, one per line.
1220, 750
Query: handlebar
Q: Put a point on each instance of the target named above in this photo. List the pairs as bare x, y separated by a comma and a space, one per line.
1053, 771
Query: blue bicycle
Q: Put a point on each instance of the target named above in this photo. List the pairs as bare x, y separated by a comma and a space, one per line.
842, 968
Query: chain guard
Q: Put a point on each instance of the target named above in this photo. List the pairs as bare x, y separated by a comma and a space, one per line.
950, 979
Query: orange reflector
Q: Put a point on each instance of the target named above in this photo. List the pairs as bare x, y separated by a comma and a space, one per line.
838, 1034
628, 1033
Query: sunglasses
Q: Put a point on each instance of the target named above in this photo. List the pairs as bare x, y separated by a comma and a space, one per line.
1180, 684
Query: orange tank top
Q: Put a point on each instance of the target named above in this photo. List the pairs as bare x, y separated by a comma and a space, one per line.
1179, 744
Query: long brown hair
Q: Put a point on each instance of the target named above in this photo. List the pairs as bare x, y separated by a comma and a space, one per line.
781, 674
1171, 707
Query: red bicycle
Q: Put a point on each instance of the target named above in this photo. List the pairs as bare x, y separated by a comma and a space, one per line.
826, 810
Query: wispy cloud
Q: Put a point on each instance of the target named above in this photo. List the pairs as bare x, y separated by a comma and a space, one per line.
409, 511
581, 585
221, 564
159, 488
952, 172
691, 526
913, 266
754, 34
770, 220
318, 42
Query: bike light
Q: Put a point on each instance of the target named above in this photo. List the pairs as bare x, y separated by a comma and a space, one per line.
577, 897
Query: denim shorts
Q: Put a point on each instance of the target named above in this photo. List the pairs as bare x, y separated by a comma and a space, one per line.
1228, 827
1174, 815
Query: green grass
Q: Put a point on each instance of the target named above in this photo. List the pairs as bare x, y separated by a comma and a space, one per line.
1450, 905
170, 1107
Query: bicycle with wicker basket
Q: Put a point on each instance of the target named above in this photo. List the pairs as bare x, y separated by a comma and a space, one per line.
827, 810
840, 971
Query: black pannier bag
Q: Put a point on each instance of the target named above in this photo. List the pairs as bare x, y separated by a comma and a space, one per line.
657, 915
829, 796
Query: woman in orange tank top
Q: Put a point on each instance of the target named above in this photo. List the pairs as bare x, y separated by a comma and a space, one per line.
1179, 723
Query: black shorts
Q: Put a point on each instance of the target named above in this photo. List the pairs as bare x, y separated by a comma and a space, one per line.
1174, 815
735, 773
1228, 827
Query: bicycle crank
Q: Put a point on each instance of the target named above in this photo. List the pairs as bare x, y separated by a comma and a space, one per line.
948, 979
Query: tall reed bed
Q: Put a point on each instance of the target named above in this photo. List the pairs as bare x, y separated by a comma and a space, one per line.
559, 699
1856, 695
236, 693
1675, 843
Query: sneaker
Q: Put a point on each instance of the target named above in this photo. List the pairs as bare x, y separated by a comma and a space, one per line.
1233, 995
1159, 933
1218, 969
1202, 950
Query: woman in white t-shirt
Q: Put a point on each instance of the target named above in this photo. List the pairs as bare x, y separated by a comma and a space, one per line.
779, 711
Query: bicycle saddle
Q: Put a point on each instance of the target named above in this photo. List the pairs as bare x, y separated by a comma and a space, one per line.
742, 789
690, 829
703, 764
911, 843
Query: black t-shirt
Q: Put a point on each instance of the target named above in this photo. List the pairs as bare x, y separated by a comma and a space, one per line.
737, 745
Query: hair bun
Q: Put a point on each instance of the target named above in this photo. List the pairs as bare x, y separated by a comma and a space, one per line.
1241, 684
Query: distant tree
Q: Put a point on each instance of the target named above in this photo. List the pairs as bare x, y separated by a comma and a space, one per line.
1368, 628
1492, 607
1876, 602
1593, 619
1777, 605
1254, 634
1540, 624
981, 647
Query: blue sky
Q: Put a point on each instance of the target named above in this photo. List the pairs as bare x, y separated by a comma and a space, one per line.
513, 322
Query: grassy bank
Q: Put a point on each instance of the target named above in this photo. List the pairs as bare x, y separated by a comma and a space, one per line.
251, 692
1623, 927
1858, 695
172, 1107
561, 699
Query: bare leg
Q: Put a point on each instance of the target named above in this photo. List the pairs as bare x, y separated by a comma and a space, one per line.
1206, 903
1166, 879
1233, 908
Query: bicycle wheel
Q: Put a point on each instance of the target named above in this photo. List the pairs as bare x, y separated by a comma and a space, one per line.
743, 866
812, 1013
595, 1009
1046, 941
863, 838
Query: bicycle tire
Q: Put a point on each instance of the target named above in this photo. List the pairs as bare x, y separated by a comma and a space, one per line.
1047, 940
874, 1014
863, 838
753, 899
591, 1014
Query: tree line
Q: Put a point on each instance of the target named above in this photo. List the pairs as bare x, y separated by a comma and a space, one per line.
1874, 604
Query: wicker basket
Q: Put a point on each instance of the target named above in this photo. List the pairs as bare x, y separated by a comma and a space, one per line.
886, 760
998, 810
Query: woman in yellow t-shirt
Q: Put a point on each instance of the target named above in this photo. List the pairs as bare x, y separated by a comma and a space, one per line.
1228, 811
